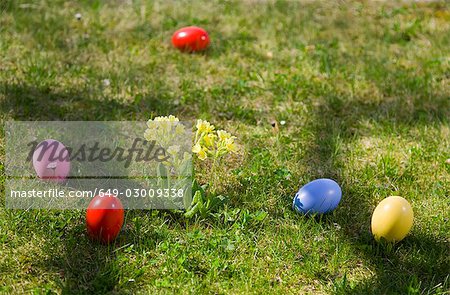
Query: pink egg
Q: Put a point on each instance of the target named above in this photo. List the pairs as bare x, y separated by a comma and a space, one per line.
51, 160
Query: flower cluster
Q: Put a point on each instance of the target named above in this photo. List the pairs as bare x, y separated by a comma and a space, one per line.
211, 143
166, 131
208, 143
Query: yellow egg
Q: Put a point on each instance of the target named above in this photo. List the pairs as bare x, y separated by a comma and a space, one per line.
392, 219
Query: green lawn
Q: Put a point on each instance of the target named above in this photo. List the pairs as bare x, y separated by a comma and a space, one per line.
364, 89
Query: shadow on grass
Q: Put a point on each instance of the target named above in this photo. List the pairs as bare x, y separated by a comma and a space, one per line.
24, 102
420, 262
85, 267
89, 267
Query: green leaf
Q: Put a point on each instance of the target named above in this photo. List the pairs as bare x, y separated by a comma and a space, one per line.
163, 180
197, 204
260, 215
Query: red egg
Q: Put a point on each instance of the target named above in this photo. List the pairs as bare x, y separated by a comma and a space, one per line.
104, 218
190, 39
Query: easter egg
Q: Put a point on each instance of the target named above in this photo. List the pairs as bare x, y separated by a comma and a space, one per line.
190, 39
51, 160
318, 196
392, 219
104, 218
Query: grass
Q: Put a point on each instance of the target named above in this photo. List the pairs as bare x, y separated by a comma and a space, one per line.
363, 88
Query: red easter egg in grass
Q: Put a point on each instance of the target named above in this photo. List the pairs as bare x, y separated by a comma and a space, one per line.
190, 39
104, 218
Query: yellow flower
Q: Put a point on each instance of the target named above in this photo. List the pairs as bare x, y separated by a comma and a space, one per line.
209, 139
160, 119
230, 145
197, 148
208, 143
150, 123
179, 130
149, 134
173, 119
170, 118
202, 155
173, 150
165, 126
204, 126
223, 134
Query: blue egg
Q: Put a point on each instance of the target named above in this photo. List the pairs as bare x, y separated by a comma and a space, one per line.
318, 196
